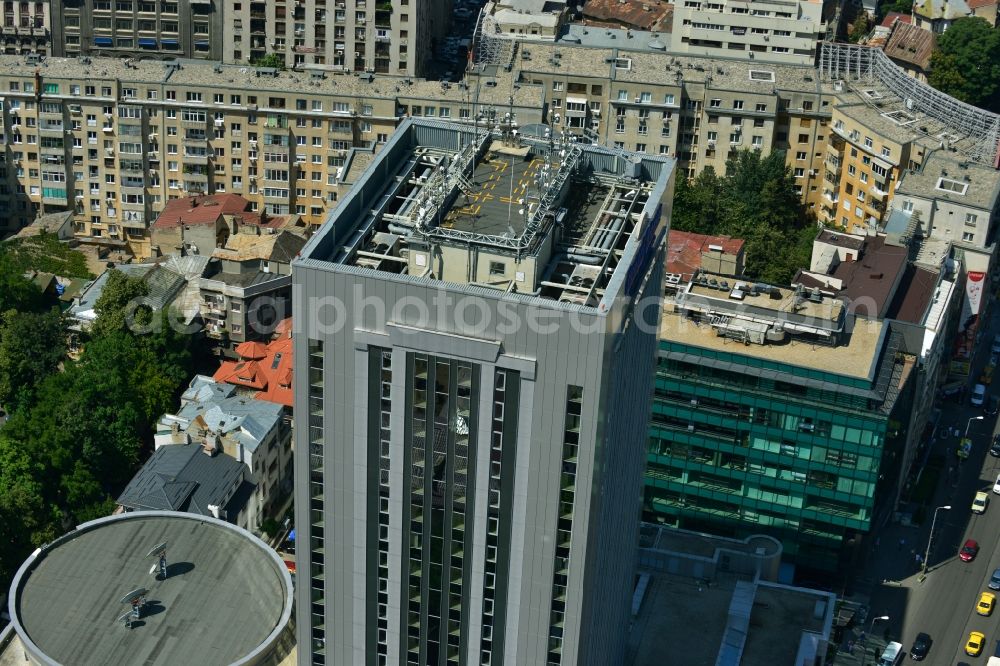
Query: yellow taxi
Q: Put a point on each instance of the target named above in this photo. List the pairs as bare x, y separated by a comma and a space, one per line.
986, 602
975, 644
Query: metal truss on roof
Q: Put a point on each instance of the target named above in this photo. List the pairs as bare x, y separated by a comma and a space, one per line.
972, 131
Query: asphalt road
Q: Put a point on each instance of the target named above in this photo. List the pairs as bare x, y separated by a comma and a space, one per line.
943, 604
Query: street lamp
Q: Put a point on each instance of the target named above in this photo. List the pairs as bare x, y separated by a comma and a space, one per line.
871, 628
930, 537
969, 424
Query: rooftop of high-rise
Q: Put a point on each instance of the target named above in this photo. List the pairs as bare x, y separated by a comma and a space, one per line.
536, 215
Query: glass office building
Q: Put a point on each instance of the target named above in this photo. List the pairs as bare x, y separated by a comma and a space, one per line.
775, 411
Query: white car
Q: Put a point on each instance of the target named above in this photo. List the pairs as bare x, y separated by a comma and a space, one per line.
978, 396
979, 504
996, 486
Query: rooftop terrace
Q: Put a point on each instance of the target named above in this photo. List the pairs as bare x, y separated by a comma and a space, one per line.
542, 216
856, 356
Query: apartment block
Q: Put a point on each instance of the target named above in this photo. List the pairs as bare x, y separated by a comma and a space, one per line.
885, 127
776, 410
144, 28
696, 109
771, 30
376, 36
950, 199
27, 27
475, 483
114, 140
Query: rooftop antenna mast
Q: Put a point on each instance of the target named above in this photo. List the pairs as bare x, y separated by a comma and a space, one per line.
136, 599
159, 569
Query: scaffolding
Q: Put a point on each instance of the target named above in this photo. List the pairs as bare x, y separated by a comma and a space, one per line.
490, 46
970, 130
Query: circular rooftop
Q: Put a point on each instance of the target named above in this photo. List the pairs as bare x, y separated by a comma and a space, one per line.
227, 597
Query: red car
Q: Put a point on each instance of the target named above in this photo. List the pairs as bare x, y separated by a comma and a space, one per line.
969, 551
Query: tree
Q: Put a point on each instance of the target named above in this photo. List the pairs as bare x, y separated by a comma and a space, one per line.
756, 201
16, 291
274, 60
31, 347
860, 27
120, 304
966, 63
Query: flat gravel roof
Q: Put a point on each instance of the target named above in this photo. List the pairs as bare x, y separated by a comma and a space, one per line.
224, 594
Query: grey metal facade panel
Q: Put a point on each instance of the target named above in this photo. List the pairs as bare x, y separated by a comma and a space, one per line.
587, 349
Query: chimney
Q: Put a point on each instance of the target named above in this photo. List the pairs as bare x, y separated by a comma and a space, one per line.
194, 201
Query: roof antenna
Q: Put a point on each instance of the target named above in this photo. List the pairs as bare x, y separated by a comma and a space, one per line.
137, 600
160, 552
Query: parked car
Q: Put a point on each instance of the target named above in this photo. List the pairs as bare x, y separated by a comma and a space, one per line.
994, 583
992, 406
920, 647
978, 395
995, 347
974, 646
980, 502
969, 550
892, 655
996, 485
995, 446
987, 600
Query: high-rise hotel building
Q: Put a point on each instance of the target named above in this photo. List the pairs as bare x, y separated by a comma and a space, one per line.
475, 352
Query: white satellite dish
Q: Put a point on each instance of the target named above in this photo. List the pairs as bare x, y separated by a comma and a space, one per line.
153, 569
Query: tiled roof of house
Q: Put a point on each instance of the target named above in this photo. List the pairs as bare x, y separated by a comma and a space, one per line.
645, 15
911, 45
204, 209
183, 477
280, 247
267, 370
684, 250
892, 17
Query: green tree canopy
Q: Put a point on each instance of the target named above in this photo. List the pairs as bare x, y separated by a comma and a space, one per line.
270, 60
966, 63
119, 303
756, 201
31, 347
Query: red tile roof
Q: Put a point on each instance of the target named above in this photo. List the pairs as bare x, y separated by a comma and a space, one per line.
204, 209
646, 15
892, 17
269, 374
976, 4
684, 250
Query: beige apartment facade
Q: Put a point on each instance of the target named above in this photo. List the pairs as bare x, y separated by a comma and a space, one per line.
114, 140
771, 30
26, 27
699, 110
376, 36
144, 28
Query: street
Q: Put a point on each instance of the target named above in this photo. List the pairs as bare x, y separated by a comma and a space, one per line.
942, 604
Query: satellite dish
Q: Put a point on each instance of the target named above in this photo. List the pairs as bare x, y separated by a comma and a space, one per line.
156, 550
153, 569
125, 618
134, 595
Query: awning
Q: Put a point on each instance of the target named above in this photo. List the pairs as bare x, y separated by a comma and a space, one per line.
147, 42
103, 41
201, 44
169, 43
576, 100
